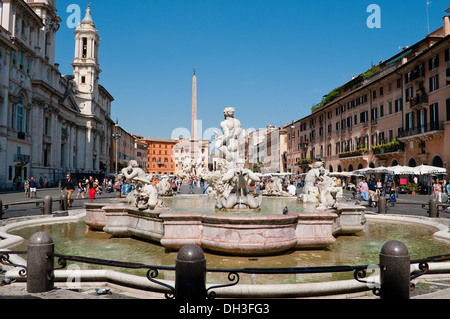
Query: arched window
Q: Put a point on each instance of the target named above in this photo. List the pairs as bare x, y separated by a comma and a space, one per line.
350, 168
412, 163
437, 161
394, 163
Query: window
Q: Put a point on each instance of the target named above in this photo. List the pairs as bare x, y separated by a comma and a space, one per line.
447, 55
409, 122
448, 109
84, 52
21, 56
13, 116
434, 83
447, 75
433, 63
409, 93
398, 105
434, 116
381, 91
20, 114
381, 110
83, 80
46, 126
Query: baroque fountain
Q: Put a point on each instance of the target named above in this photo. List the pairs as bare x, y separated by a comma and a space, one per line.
236, 226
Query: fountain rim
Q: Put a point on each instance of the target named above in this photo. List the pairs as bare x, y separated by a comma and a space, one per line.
270, 290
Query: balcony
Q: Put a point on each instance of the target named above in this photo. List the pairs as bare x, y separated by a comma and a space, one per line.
419, 100
425, 129
392, 147
360, 152
20, 158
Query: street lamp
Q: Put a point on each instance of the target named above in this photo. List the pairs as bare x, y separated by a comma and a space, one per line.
292, 148
116, 136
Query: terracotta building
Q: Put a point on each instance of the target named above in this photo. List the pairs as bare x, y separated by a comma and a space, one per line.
396, 113
159, 156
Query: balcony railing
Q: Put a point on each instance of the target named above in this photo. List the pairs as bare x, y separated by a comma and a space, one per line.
20, 158
360, 152
422, 129
388, 148
418, 100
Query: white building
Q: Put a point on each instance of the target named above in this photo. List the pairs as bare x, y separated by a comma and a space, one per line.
50, 124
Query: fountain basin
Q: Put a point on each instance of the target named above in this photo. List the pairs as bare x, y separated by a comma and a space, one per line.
252, 235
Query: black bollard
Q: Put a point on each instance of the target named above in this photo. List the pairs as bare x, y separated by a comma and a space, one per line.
40, 264
382, 205
434, 212
190, 274
48, 203
63, 206
395, 267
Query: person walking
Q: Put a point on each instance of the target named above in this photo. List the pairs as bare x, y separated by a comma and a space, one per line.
26, 186
33, 186
448, 192
69, 185
81, 190
437, 190
364, 189
91, 188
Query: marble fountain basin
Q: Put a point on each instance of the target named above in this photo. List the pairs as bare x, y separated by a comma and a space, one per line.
253, 234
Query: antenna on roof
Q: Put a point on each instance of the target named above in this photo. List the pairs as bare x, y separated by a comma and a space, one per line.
428, 18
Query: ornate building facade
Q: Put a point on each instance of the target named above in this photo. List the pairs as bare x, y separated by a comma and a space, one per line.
396, 113
50, 124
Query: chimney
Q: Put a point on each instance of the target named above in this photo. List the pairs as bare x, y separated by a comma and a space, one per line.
447, 23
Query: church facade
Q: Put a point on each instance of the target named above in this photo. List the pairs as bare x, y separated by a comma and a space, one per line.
50, 124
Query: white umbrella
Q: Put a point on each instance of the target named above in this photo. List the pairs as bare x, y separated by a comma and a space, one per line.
403, 170
344, 174
429, 170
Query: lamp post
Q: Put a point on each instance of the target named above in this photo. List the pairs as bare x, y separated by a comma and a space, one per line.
292, 148
116, 136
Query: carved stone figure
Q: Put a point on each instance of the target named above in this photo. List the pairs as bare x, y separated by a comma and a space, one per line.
228, 143
274, 188
164, 187
320, 189
145, 194
235, 195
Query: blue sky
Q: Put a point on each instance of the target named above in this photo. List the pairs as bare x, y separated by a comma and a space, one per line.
270, 59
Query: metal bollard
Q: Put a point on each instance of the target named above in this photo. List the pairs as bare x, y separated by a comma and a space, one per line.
190, 274
40, 264
48, 203
434, 210
382, 205
63, 206
395, 267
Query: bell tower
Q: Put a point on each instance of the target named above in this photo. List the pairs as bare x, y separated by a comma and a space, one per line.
85, 64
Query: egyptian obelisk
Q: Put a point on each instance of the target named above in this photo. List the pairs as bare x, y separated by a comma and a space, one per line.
194, 108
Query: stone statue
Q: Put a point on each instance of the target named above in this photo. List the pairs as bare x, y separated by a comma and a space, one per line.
164, 187
134, 173
320, 189
274, 188
145, 195
235, 195
228, 143
229, 184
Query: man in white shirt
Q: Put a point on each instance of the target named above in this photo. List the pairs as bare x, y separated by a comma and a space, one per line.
292, 190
